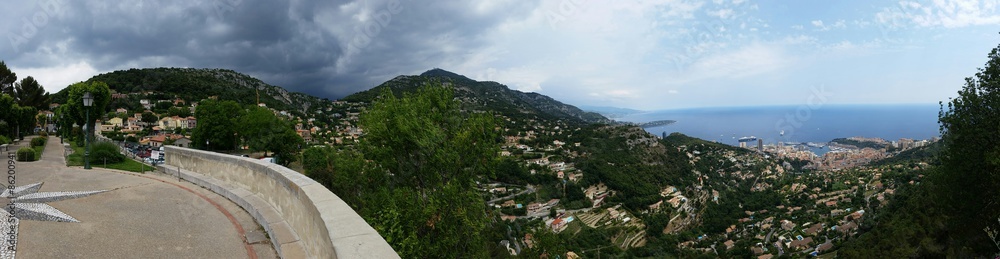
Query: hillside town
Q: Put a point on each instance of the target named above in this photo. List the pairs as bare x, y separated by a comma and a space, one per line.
824, 202
170, 121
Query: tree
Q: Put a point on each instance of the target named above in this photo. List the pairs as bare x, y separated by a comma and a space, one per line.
217, 124
15, 121
970, 129
162, 107
77, 112
262, 131
179, 112
31, 94
149, 118
414, 177
8, 116
7, 79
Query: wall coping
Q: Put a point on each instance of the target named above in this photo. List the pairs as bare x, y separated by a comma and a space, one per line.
312, 206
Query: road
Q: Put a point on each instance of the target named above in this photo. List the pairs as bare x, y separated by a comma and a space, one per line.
529, 189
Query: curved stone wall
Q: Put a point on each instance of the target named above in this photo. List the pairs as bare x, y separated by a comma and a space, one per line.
303, 218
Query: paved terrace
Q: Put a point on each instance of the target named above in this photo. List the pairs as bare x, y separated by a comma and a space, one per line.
69, 212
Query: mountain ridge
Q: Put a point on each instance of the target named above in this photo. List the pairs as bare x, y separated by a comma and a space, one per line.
485, 94
193, 84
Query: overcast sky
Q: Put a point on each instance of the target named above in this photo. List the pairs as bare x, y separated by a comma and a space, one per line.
645, 54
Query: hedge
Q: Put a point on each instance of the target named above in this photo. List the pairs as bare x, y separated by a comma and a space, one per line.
26, 154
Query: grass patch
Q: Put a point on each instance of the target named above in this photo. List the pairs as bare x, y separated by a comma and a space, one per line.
38, 152
76, 159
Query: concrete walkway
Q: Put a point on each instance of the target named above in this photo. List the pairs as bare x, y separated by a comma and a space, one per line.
138, 216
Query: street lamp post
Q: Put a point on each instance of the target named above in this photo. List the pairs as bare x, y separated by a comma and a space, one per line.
88, 100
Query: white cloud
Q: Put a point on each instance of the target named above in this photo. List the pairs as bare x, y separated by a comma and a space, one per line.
749, 60
518, 78
56, 78
721, 13
840, 24
820, 26
940, 13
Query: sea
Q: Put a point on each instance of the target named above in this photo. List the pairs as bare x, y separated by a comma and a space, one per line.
799, 123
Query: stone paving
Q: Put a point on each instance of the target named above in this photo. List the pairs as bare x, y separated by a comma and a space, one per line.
69, 212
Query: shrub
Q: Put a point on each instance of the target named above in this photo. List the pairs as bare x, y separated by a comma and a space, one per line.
26, 154
105, 150
4, 140
43, 134
38, 141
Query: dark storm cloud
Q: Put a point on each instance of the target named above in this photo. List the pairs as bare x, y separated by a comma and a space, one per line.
324, 48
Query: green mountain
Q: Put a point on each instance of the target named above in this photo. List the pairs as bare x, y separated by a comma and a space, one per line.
486, 95
193, 84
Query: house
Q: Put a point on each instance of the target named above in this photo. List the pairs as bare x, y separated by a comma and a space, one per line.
556, 223
801, 244
116, 122
106, 128
848, 227
815, 228
613, 213
824, 247
167, 123
656, 206
191, 122
767, 256
534, 207
182, 142
757, 250
305, 134
787, 225
729, 244
159, 140
509, 203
